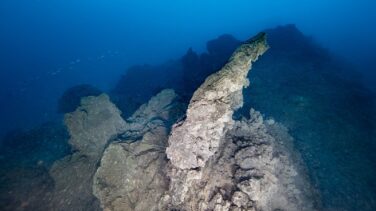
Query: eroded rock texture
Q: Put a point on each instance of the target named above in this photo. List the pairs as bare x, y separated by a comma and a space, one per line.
254, 169
217, 163
210, 111
212, 162
91, 126
131, 174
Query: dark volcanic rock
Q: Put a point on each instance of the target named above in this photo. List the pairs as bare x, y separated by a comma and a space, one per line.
197, 67
142, 82
71, 98
184, 75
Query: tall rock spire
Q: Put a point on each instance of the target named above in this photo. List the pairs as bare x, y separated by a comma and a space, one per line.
210, 111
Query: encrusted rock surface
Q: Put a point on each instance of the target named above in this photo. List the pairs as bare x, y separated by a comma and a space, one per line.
253, 169
91, 126
217, 163
131, 176
210, 111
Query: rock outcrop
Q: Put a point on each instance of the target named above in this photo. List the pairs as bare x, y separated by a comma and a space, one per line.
210, 111
212, 162
254, 169
91, 126
131, 174
216, 163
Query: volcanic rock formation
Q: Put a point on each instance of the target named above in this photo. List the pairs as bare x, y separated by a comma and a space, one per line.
131, 175
91, 126
216, 163
210, 111
212, 162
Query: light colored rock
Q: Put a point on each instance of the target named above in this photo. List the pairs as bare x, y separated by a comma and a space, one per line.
268, 172
91, 126
254, 169
217, 163
210, 111
131, 174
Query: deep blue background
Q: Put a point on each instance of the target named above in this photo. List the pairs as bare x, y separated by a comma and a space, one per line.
47, 46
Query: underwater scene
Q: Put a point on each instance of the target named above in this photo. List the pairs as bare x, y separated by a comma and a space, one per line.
187, 105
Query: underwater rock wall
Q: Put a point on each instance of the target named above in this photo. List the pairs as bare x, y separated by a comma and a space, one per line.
71, 98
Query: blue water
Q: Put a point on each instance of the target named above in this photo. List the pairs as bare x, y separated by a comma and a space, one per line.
319, 77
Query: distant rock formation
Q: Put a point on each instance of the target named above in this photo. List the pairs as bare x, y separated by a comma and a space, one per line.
131, 174
71, 98
214, 162
196, 67
127, 93
91, 126
184, 75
